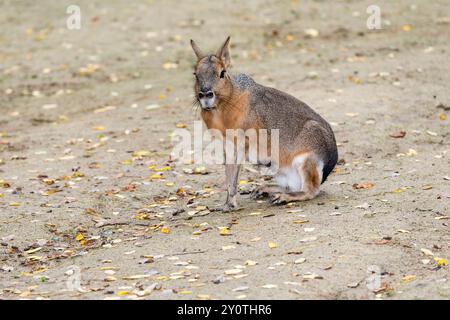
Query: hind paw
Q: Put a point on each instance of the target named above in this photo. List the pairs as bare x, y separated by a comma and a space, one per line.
279, 198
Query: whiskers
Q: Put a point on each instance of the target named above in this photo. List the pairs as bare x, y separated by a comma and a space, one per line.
196, 106
227, 100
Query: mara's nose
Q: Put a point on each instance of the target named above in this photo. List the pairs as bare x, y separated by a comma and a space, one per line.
207, 95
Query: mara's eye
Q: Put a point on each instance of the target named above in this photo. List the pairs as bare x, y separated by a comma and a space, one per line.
222, 74
194, 73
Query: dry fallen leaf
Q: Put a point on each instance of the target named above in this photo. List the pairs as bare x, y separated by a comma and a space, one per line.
233, 271
31, 251
224, 231
368, 185
272, 245
300, 221
269, 286
398, 134
312, 276
230, 247
250, 263
409, 278
407, 27
427, 252
136, 277
165, 230
79, 237
441, 262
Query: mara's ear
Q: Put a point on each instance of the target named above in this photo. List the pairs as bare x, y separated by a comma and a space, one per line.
197, 50
224, 53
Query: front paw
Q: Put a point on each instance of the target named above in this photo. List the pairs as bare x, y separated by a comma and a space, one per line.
228, 207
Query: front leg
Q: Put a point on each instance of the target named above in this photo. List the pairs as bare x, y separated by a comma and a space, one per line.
231, 177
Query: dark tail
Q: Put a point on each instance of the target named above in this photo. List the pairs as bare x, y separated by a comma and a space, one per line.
330, 164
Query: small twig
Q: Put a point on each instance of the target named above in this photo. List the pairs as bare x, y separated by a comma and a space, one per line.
112, 224
184, 253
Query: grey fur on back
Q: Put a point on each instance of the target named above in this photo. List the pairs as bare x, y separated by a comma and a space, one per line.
298, 124
242, 81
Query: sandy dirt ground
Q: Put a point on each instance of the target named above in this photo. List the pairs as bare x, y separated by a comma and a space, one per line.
92, 208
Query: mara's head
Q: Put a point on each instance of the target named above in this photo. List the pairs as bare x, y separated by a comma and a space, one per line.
211, 76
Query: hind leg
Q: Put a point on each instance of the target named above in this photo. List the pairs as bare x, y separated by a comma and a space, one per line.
309, 170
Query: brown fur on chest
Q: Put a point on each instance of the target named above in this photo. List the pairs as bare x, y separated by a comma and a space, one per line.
230, 115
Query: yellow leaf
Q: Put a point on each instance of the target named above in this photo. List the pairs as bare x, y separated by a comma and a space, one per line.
79, 237
88, 70
224, 231
170, 65
272, 245
200, 170
441, 262
406, 28
165, 230
185, 292
409, 278
34, 258
123, 293
141, 216
180, 125
355, 80
48, 181
14, 204
300, 221
49, 192
41, 35
289, 37
142, 153
163, 169
243, 182
443, 117
127, 162
155, 176
170, 184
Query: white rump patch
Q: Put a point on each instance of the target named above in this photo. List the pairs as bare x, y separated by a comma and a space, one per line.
289, 177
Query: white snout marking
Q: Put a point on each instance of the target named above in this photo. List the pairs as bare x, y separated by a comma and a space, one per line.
207, 103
